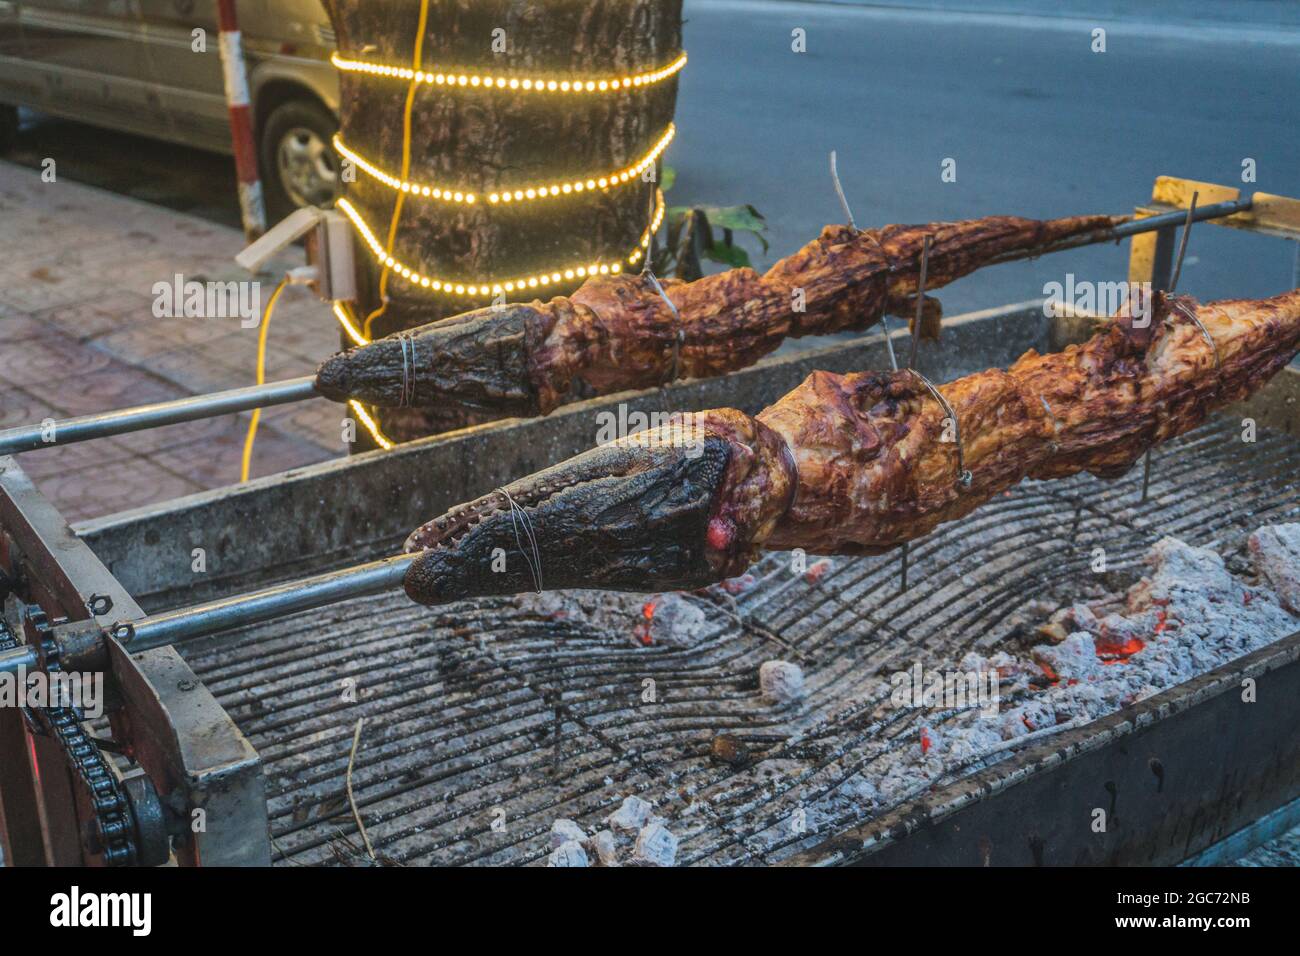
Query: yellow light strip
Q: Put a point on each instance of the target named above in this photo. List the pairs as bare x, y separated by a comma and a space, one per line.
341, 313
488, 288
371, 427
346, 321
527, 193
528, 84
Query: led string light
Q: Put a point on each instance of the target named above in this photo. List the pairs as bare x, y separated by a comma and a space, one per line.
520, 194
458, 78
451, 286
343, 313
349, 326
414, 76
370, 424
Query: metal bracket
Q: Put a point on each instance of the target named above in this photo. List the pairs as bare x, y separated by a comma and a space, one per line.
191, 750
1269, 215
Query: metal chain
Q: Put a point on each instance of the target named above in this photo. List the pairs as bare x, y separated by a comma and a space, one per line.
113, 822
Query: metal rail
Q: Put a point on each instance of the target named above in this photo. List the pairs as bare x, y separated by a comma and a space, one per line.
27, 438
121, 421
255, 607
183, 624
1133, 227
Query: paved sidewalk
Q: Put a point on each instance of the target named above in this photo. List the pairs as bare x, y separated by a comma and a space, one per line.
78, 335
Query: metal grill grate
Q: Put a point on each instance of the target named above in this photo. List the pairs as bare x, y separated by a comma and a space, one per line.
482, 711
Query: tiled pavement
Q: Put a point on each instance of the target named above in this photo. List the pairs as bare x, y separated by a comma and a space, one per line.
78, 335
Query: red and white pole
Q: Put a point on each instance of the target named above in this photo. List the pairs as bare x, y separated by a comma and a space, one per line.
251, 208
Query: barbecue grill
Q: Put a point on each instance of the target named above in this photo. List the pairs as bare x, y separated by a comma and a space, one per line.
485, 721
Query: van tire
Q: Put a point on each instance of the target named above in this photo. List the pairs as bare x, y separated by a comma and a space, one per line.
294, 152
8, 127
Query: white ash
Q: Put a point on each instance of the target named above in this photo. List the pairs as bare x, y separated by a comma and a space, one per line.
1276, 553
605, 848
655, 845
570, 853
651, 620
781, 681
637, 838
631, 814
566, 831
673, 621
1189, 615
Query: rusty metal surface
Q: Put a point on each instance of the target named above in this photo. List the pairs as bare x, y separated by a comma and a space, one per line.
180, 736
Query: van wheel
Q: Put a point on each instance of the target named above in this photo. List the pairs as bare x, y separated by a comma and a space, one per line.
8, 127
299, 165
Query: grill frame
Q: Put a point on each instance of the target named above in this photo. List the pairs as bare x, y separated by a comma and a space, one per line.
341, 512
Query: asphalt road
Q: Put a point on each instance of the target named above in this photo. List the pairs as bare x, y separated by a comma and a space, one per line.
1037, 123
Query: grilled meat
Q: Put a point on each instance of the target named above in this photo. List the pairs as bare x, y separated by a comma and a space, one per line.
855, 464
617, 332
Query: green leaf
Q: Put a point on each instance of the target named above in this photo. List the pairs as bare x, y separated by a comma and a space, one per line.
738, 218
667, 177
732, 256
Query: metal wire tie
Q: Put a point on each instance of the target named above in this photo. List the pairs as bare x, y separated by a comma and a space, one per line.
964, 477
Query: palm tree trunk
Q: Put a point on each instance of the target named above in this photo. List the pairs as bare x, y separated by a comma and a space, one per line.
480, 140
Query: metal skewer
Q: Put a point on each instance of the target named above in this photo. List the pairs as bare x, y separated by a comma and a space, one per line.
920, 300
1132, 227
106, 424
1173, 284
911, 363
183, 624
124, 420
839, 191
201, 620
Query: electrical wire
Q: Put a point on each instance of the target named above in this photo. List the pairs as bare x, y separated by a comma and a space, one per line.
399, 201
261, 377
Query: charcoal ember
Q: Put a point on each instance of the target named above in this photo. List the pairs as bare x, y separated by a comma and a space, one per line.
1075, 658
672, 620
1013, 673
569, 853
978, 738
655, 845
818, 570
1275, 551
737, 585
566, 831
631, 814
1036, 714
729, 749
604, 847
781, 681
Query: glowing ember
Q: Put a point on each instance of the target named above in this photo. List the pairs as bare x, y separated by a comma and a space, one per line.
642, 631
738, 585
815, 573
1112, 651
